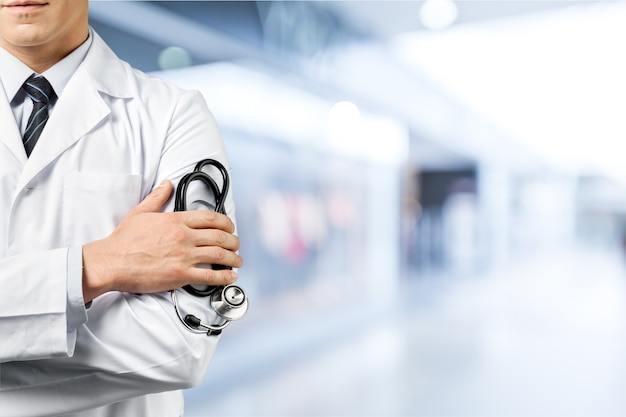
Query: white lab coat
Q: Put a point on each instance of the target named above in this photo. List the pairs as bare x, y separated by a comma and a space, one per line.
114, 134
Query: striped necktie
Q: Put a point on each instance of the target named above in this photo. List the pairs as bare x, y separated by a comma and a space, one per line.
40, 92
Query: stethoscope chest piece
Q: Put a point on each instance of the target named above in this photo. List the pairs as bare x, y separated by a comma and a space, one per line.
230, 302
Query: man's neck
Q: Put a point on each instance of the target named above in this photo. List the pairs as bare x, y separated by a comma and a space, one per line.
41, 58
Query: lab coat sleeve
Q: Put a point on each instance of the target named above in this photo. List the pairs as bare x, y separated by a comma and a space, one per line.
43, 317
132, 344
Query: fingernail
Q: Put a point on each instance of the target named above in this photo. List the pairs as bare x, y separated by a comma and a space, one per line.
233, 275
162, 184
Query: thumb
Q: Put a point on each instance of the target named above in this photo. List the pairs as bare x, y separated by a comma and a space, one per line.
155, 200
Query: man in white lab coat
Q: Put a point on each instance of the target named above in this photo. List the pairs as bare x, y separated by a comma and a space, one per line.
81, 224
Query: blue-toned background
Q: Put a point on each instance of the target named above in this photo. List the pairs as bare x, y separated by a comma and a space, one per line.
430, 199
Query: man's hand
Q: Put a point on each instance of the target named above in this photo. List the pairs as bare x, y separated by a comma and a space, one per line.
152, 251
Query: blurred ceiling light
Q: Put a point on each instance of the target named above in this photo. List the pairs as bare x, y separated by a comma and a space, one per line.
438, 14
343, 118
372, 137
174, 57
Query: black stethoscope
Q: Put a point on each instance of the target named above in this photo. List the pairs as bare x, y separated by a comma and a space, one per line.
229, 302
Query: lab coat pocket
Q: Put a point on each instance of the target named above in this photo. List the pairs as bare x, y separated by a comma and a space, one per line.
95, 203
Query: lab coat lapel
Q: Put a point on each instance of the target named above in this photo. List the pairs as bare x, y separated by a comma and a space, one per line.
80, 107
76, 112
9, 132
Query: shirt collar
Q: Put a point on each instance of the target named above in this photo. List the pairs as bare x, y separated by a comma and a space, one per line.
14, 72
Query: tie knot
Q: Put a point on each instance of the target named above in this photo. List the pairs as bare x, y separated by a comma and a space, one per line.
38, 89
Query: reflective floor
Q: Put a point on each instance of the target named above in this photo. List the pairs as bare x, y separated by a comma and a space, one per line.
540, 336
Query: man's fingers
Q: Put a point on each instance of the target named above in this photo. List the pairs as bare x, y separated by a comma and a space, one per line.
207, 219
205, 276
216, 237
155, 200
216, 255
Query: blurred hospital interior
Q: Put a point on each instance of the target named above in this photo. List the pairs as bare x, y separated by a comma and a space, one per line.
430, 198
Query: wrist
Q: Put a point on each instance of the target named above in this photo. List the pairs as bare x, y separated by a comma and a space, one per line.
97, 277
